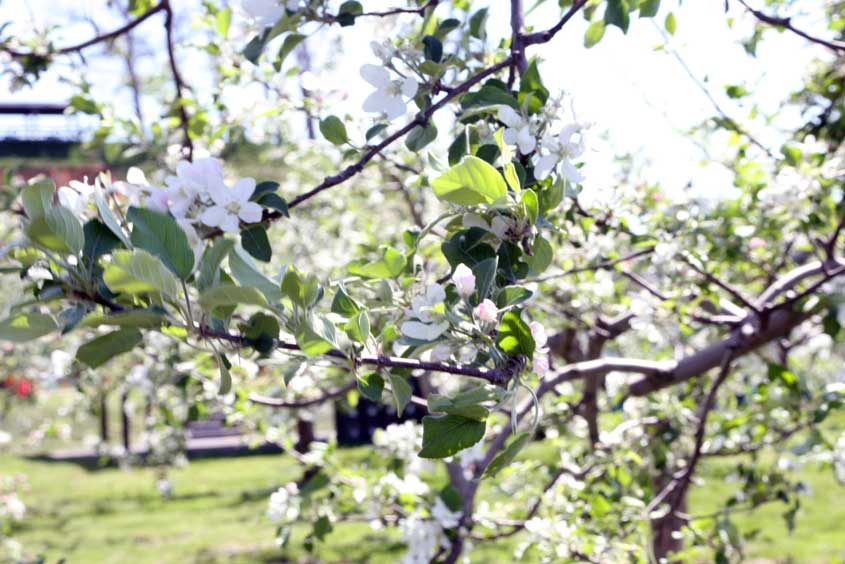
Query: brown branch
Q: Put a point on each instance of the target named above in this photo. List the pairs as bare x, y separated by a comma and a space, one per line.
296, 404
725, 286
184, 119
604, 265
786, 23
396, 11
421, 120
546, 36
518, 59
163, 5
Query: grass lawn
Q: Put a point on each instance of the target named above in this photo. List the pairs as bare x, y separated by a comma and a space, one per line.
217, 515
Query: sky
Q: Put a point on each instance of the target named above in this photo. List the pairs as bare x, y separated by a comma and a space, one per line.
639, 97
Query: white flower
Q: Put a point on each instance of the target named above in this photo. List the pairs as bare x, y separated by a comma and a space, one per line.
425, 327
560, 150
423, 537
231, 205
389, 97
500, 226
384, 50
486, 312
464, 280
139, 192
447, 518
518, 130
263, 12
441, 353
538, 332
541, 351
11, 504
193, 180
77, 196
284, 504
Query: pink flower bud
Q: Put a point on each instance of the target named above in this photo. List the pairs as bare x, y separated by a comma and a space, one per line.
486, 312
464, 281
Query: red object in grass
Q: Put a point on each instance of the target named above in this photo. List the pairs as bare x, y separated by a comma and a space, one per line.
23, 389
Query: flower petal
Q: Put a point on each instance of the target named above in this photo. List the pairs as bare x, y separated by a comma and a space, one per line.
509, 117
409, 87
243, 189
213, 216
250, 212
230, 223
376, 102
136, 176
395, 107
376, 75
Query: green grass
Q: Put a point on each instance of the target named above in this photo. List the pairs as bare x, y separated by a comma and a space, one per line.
217, 515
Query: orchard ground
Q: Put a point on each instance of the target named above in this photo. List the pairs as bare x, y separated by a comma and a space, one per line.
217, 515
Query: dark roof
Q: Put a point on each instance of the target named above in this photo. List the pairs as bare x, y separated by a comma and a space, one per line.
32, 109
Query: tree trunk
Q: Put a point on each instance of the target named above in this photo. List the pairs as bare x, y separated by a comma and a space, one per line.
664, 542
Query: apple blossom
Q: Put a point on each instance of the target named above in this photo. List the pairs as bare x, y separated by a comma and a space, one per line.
561, 150
486, 312
389, 97
518, 130
464, 280
231, 205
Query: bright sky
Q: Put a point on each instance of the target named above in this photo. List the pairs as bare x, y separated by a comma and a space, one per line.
640, 99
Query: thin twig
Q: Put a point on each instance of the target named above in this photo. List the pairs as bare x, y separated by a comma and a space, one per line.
786, 23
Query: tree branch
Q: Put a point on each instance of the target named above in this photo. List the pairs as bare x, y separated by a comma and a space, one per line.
786, 23
163, 5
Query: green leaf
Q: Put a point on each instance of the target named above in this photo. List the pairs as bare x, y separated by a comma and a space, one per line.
343, 304
470, 182
515, 335
445, 435
649, 8
532, 205
371, 386
542, 257
160, 235
37, 198
532, 83
507, 456
302, 290
671, 23
467, 247
442, 404
478, 24
209, 270
334, 130
485, 274
288, 45
132, 318
511, 295
99, 240
247, 273
230, 295
419, 136
432, 48
358, 328
254, 241
391, 265
401, 390
223, 20
24, 327
108, 216
347, 12
617, 14
97, 352
594, 33
315, 335
58, 230
139, 273
487, 97
274, 202
225, 376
